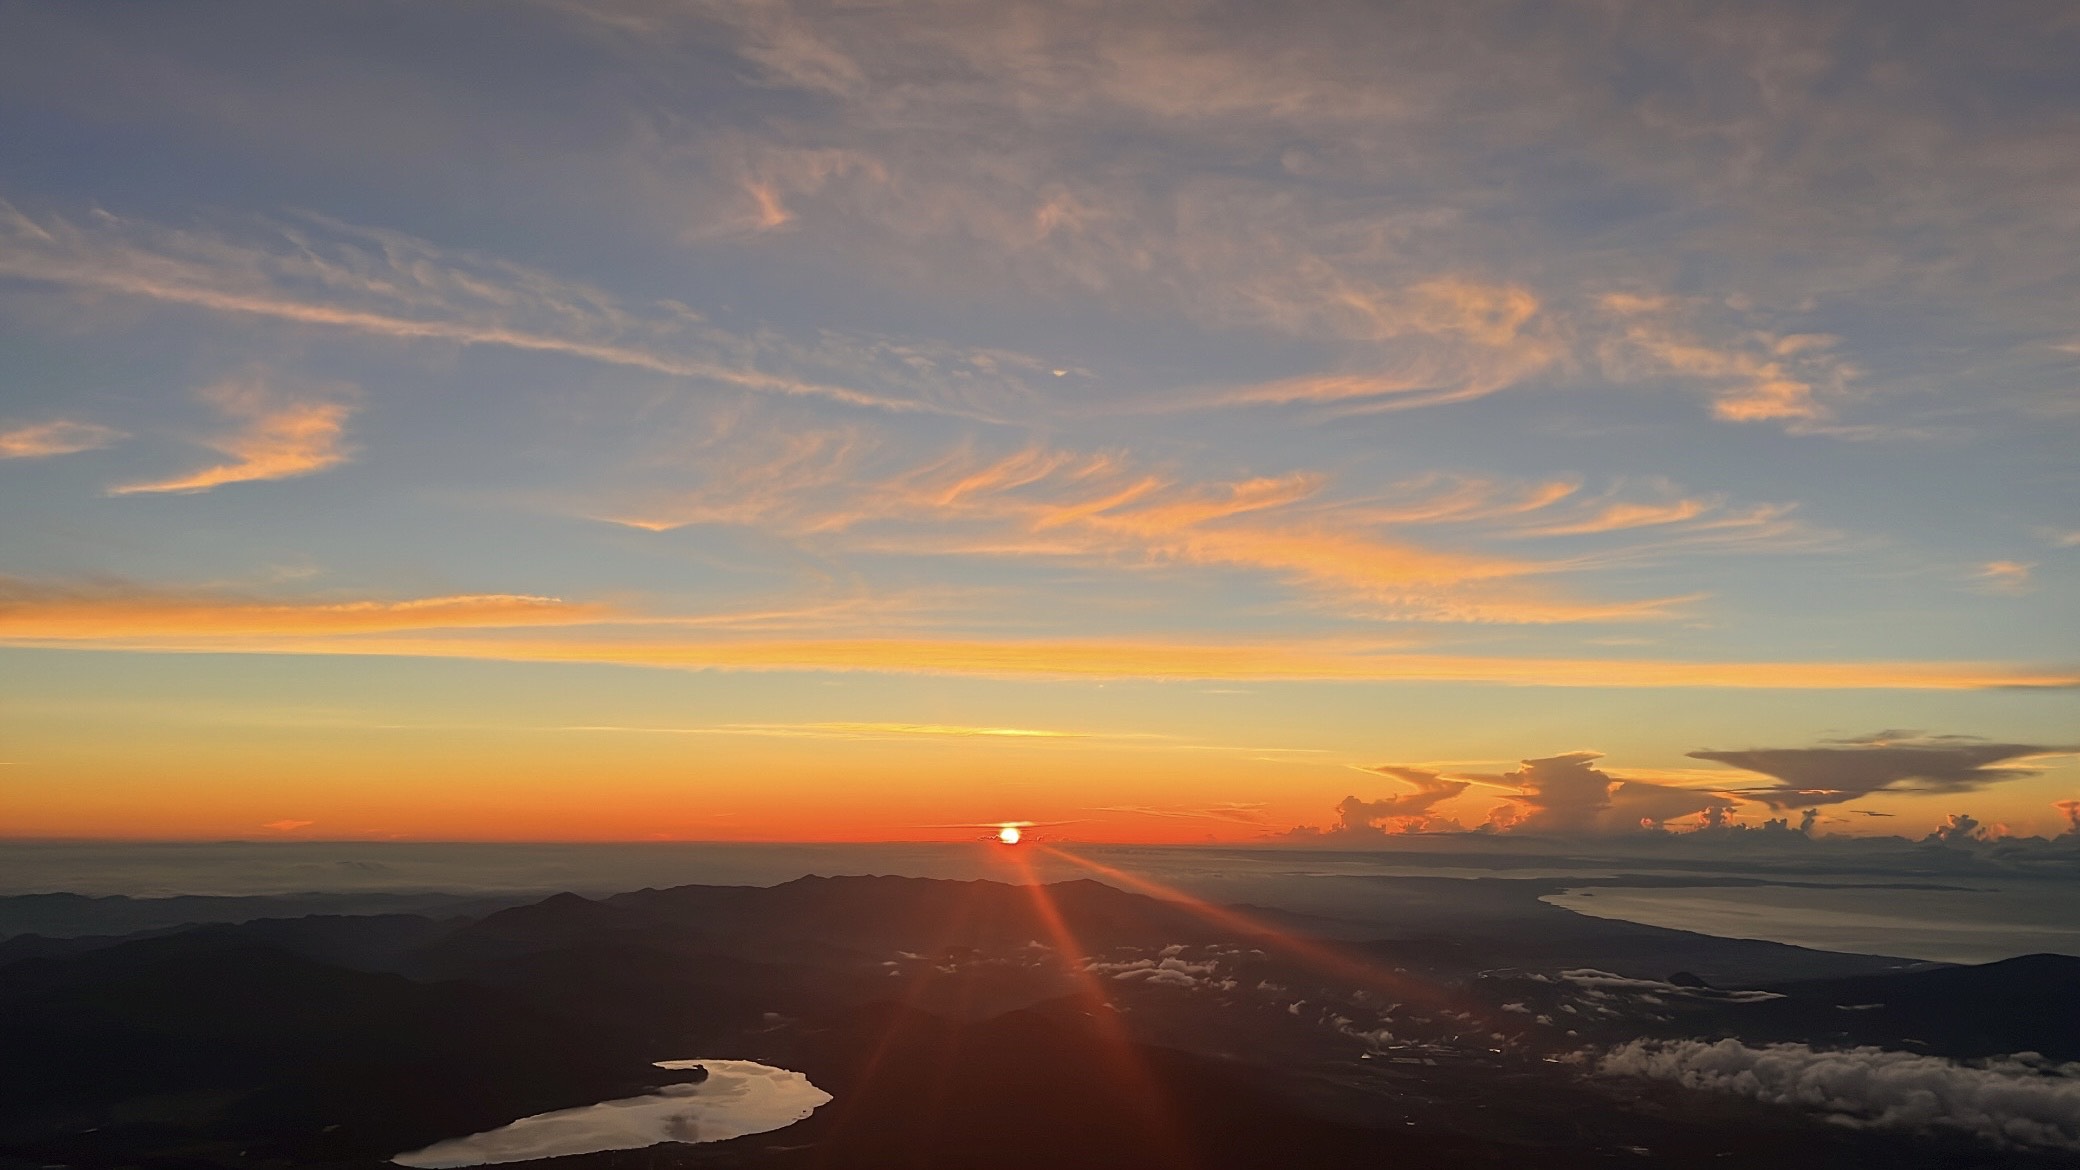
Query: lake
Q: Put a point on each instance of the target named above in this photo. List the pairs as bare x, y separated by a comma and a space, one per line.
739, 1097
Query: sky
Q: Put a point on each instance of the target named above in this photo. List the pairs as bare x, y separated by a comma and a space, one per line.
687, 420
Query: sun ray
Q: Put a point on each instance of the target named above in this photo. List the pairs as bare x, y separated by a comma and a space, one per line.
1129, 1069
940, 1087
913, 992
1307, 952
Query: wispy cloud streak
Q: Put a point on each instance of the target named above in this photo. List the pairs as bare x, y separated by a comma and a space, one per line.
1358, 556
56, 437
280, 437
387, 285
525, 628
81, 612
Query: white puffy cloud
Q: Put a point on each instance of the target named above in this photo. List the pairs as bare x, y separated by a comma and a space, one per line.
1168, 969
1407, 812
2018, 1100
1569, 794
1593, 980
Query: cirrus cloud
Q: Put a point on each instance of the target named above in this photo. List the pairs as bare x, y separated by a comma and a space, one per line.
56, 437
279, 436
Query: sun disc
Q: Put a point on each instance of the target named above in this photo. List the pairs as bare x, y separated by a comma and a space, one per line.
1009, 834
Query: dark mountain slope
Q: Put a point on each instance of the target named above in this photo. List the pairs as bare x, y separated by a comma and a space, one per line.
278, 1044
833, 922
76, 915
2025, 1004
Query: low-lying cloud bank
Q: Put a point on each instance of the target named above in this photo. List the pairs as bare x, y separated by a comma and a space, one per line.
1569, 795
2019, 1100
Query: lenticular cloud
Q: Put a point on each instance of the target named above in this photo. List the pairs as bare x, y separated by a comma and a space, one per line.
2019, 1100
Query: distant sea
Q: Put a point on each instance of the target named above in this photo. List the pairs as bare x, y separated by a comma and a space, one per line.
1977, 925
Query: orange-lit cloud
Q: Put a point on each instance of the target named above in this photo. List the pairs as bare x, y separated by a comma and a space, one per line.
1102, 660
753, 476
1617, 517
773, 175
1234, 812
889, 731
478, 626
280, 437
56, 437
2071, 810
113, 612
1761, 376
1663, 522
2009, 578
1463, 499
1179, 660
1101, 508
1329, 179
1413, 811
1569, 794
1472, 339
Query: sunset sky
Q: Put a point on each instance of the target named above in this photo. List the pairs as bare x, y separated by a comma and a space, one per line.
629, 419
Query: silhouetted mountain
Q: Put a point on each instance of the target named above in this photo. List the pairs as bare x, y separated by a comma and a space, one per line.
275, 1043
826, 921
876, 914
1961, 1012
375, 942
37, 946
75, 915
2015, 1005
1626, 948
933, 1093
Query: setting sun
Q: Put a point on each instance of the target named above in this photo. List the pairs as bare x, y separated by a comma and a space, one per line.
1009, 834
